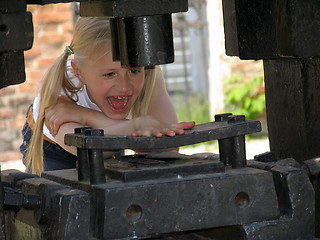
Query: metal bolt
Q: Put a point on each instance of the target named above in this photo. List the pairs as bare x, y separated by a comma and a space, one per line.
82, 158
236, 118
97, 175
238, 152
224, 144
222, 117
81, 130
94, 132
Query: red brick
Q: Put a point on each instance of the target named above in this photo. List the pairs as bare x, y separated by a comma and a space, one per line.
29, 87
65, 7
35, 28
32, 8
53, 17
7, 90
33, 52
45, 62
2, 125
53, 25
54, 38
35, 76
17, 100
7, 112
10, 156
49, 28
48, 8
67, 27
17, 123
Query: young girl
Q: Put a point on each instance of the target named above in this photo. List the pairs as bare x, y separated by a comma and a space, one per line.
93, 90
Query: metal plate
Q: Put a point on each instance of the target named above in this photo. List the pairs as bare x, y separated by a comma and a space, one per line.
138, 168
200, 133
131, 8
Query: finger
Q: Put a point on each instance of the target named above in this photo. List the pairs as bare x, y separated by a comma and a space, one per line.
146, 133
151, 132
56, 126
54, 130
53, 125
157, 134
176, 130
136, 134
179, 131
51, 128
186, 125
47, 123
168, 132
53, 133
165, 131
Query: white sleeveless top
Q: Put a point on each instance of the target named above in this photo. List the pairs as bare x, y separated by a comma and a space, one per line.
83, 100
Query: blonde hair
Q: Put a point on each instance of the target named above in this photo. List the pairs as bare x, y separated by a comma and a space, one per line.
89, 35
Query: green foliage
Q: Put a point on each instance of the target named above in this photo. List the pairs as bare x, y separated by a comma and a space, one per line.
245, 97
193, 108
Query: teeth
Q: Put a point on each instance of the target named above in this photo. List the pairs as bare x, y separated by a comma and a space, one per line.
125, 101
120, 98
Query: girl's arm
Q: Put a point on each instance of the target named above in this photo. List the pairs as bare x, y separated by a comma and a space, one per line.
161, 106
141, 126
66, 111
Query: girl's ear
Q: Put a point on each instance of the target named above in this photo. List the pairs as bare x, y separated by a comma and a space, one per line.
77, 71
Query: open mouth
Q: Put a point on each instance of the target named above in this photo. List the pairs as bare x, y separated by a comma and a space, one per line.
118, 103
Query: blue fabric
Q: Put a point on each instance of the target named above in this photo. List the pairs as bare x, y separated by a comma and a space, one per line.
54, 156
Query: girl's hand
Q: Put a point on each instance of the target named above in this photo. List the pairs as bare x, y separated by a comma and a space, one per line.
148, 126
63, 111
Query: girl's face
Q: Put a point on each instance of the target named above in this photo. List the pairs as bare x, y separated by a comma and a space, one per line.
113, 88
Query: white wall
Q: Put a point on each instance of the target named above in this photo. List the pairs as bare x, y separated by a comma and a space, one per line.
217, 69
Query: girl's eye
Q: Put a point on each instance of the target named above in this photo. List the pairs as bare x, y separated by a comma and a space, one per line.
111, 74
134, 71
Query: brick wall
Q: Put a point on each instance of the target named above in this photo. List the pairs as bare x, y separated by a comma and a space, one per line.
53, 26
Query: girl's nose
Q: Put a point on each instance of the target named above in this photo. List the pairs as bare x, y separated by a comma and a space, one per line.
123, 83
